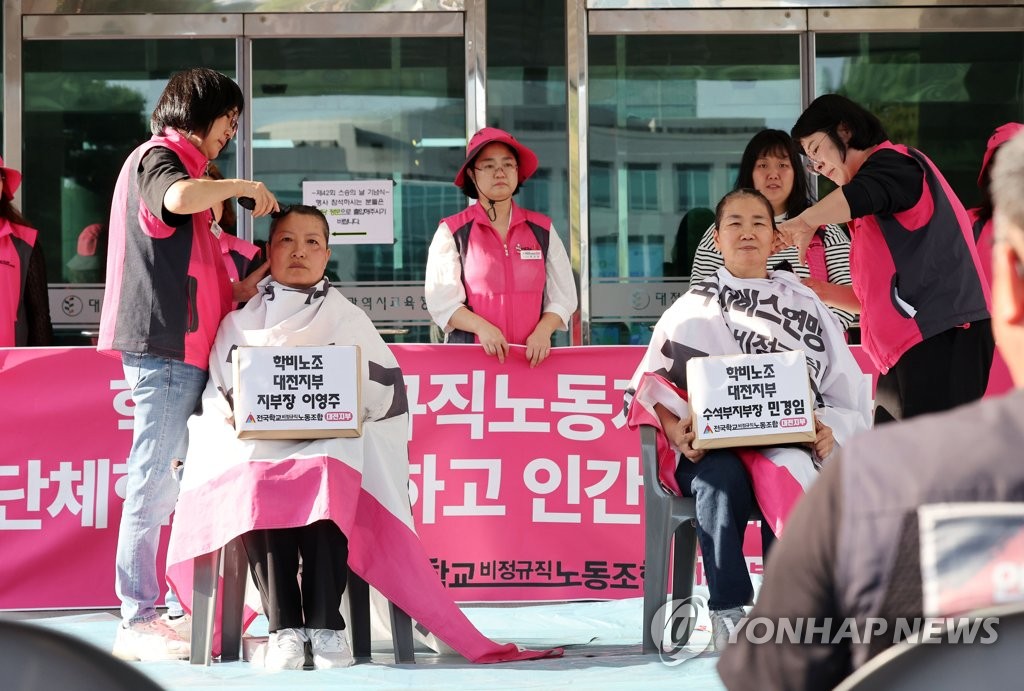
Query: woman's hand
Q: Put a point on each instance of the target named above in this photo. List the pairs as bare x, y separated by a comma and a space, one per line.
492, 340
264, 202
681, 436
824, 443
242, 290
797, 232
538, 343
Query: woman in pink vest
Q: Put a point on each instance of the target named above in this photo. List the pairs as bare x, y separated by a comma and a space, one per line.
166, 292
771, 164
496, 272
981, 216
924, 307
24, 302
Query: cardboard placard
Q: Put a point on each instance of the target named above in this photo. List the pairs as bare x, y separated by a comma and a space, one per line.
302, 392
750, 400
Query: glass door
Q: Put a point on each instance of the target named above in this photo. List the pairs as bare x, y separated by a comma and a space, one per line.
939, 79
86, 105
382, 98
373, 102
672, 104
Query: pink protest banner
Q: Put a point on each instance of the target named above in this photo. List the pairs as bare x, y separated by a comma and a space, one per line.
67, 420
526, 484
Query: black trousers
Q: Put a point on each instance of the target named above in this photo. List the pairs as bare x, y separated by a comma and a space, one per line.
939, 373
274, 562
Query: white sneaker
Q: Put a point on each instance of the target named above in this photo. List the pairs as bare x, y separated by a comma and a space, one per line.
723, 622
286, 649
330, 648
182, 625
148, 641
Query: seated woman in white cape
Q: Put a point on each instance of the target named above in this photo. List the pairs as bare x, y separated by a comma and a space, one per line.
313, 497
743, 308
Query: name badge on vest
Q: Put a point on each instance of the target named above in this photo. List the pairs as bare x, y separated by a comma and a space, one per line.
530, 254
215, 229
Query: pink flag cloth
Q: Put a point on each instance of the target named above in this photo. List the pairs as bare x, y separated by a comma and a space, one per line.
232, 486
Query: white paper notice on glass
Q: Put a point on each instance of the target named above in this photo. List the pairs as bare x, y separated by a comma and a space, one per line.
359, 212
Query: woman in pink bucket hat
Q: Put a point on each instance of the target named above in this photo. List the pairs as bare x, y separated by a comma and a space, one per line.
498, 273
24, 303
981, 216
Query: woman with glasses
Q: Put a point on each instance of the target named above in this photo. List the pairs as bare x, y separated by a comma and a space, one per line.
924, 307
498, 273
771, 164
167, 290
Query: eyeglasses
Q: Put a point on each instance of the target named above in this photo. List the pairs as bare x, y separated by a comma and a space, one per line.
812, 154
508, 167
232, 121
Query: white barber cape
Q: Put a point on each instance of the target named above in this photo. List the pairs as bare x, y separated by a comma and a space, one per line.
231, 486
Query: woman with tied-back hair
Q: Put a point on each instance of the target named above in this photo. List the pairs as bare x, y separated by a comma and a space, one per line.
744, 308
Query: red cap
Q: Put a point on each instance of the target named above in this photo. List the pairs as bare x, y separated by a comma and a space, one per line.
526, 158
1003, 134
12, 180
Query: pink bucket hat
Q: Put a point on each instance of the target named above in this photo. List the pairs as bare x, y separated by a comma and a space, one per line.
1002, 134
527, 159
12, 180
88, 244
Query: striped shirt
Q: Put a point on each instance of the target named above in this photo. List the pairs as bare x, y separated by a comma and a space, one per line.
707, 260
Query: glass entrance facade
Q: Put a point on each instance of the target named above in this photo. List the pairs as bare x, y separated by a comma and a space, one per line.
671, 95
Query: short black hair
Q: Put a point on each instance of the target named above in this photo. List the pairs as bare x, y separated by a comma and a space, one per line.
469, 187
301, 210
742, 192
193, 99
826, 113
775, 142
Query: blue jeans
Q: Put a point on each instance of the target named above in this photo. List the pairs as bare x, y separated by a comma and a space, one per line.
725, 498
165, 393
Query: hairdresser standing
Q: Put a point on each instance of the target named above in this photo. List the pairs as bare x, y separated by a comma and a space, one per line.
166, 292
924, 307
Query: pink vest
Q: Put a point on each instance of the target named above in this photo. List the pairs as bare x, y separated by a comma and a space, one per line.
504, 282
16, 243
916, 272
167, 288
